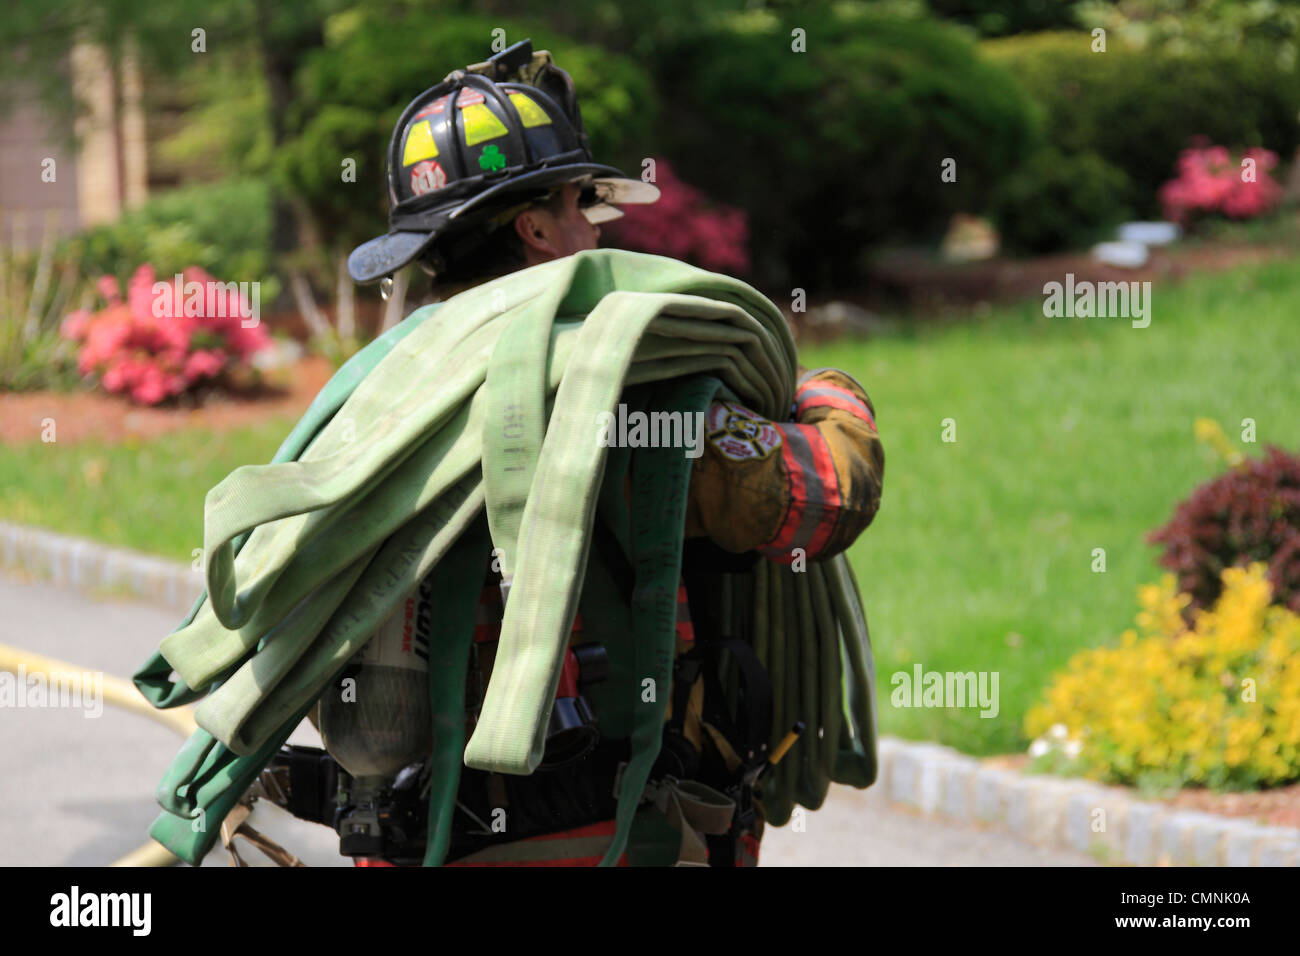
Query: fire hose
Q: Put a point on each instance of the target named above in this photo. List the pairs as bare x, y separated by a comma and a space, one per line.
490, 402
119, 693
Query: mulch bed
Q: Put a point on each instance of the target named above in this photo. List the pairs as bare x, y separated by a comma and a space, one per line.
98, 415
921, 283
1278, 807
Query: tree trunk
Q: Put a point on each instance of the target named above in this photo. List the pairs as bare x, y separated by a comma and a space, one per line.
344, 301
306, 302
285, 39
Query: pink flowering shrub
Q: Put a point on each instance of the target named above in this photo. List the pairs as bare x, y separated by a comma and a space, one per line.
1212, 181
683, 224
155, 344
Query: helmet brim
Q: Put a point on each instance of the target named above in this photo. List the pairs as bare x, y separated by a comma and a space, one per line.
384, 255
371, 261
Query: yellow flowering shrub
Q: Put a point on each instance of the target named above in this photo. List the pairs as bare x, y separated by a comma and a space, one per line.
1216, 704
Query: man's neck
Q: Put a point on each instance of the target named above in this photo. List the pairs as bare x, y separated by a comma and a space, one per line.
446, 291
450, 289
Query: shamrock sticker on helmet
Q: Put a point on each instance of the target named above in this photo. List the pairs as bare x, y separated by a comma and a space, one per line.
491, 158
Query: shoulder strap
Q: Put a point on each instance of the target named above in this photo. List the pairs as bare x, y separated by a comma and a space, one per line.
456, 583
660, 481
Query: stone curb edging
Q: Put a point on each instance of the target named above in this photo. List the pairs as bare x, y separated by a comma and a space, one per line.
89, 566
1077, 815
1048, 811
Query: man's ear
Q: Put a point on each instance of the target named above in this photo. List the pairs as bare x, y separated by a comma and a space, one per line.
534, 231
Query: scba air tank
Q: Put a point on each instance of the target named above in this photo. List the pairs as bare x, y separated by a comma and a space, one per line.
381, 724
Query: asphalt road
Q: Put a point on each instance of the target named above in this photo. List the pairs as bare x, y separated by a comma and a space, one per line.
861, 828
78, 790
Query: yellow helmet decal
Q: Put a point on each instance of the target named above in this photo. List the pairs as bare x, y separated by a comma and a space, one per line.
419, 144
529, 111
480, 123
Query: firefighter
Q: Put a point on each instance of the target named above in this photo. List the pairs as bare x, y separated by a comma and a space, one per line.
490, 173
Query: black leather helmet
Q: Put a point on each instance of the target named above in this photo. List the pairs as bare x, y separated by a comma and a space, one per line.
476, 149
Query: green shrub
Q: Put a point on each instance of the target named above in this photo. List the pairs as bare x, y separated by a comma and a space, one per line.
39, 288
35, 361
1003, 17
351, 92
1058, 201
1269, 28
1138, 109
842, 146
223, 228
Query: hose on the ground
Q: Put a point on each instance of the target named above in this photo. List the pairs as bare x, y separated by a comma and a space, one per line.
119, 693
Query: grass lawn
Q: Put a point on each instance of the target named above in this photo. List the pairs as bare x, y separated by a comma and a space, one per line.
146, 495
1072, 434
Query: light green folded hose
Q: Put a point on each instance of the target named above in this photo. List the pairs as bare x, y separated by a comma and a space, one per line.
403, 440
492, 403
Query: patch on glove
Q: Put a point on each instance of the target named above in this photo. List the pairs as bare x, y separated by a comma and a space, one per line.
739, 433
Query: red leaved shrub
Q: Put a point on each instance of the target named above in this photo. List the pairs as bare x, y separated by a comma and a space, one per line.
156, 343
1250, 513
685, 225
1211, 181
